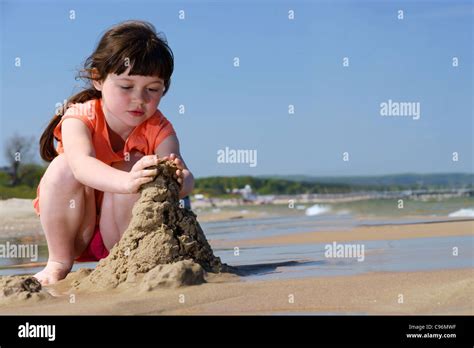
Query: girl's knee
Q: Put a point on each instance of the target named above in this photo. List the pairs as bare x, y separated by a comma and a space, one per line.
124, 201
59, 171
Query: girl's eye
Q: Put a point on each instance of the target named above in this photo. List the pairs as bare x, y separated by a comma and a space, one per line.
153, 90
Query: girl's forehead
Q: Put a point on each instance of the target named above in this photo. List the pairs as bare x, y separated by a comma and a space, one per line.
137, 78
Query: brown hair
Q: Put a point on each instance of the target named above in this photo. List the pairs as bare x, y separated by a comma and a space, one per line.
133, 44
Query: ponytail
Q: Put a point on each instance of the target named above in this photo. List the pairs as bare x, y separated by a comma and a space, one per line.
47, 150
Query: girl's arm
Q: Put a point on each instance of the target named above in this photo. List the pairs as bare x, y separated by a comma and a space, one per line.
169, 149
87, 169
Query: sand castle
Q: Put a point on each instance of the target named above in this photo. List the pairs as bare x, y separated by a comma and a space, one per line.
164, 244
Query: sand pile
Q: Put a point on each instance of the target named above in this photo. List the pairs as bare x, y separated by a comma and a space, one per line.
163, 245
21, 288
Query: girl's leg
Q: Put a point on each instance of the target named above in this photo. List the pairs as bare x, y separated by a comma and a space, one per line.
116, 211
68, 217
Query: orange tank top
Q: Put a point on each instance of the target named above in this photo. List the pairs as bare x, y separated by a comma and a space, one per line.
144, 138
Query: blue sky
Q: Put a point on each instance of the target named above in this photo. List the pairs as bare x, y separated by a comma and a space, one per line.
282, 62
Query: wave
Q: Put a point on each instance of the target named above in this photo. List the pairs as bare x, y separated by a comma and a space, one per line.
317, 209
463, 213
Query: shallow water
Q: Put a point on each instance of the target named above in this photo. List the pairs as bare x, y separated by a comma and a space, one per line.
309, 260
275, 226
305, 260
282, 225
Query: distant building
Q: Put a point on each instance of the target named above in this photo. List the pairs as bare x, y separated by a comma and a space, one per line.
246, 193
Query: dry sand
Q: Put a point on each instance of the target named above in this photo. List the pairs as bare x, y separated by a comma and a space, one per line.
436, 292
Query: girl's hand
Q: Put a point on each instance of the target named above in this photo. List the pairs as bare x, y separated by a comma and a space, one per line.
138, 175
180, 171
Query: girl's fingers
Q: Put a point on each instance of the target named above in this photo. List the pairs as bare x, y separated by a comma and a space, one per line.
179, 163
149, 172
175, 158
144, 179
170, 157
145, 173
147, 161
152, 160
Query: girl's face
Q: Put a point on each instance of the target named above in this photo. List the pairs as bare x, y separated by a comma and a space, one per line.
130, 99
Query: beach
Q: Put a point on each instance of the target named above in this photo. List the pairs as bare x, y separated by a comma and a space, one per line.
419, 265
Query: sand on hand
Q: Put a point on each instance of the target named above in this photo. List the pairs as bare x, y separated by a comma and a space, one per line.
163, 246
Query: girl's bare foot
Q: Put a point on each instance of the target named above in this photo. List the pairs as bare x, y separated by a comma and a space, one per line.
53, 272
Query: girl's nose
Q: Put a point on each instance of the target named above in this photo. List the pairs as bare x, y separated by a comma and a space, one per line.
139, 96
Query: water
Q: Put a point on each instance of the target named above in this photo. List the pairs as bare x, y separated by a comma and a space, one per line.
368, 208
281, 225
309, 260
274, 226
302, 260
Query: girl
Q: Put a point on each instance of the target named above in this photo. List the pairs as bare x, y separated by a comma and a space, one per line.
107, 137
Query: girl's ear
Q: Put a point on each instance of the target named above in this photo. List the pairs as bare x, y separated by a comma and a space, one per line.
95, 79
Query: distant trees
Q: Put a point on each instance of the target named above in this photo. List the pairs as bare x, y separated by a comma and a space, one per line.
219, 185
18, 149
22, 175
